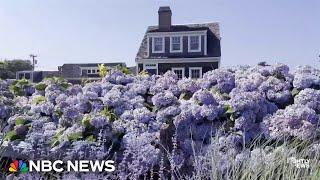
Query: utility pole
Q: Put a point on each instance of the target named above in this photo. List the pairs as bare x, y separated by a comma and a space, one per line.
34, 62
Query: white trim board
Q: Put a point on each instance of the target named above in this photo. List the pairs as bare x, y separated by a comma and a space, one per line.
181, 33
180, 60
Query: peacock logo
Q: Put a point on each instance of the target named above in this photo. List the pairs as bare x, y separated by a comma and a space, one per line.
18, 166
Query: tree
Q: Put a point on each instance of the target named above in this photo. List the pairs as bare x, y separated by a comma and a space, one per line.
8, 68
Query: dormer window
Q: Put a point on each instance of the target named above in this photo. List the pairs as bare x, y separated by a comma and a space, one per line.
158, 45
176, 44
194, 44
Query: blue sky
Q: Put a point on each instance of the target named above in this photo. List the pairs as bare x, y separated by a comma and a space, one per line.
71, 31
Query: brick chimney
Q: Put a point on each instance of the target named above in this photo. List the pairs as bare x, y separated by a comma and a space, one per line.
164, 18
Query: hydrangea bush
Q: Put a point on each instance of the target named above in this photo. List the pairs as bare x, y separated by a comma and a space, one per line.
162, 127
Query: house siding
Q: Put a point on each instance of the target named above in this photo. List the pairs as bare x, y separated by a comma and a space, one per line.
213, 44
206, 66
70, 71
38, 76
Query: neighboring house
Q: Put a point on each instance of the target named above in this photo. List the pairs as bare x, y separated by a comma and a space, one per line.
133, 70
75, 73
188, 50
35, 76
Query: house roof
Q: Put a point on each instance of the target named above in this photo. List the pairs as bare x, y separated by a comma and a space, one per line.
96, 64
213, 27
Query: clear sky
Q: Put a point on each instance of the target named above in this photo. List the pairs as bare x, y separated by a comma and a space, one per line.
72, 31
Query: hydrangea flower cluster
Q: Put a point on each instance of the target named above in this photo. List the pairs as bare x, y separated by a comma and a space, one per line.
154, 124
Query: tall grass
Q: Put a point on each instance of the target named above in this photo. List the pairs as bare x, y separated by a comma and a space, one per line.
275, 160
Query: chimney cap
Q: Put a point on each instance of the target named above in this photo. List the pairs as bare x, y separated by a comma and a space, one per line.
164, 9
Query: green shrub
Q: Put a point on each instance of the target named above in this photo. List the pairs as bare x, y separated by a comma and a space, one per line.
41, 87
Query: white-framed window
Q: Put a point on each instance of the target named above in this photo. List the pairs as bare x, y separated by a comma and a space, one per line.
176, 44
158, 44
24, 75
179, 72
195, 72
151, 68
194, 43
90, 70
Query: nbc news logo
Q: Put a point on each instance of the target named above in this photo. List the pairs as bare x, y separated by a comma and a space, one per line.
19, 166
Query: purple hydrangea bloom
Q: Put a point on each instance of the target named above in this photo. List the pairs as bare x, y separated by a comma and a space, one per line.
306, 77
211, 112
294, 121
309, 97
93, 87
118, 77
167, 113
70, 116
113, 98
74, 90
142, 152
277, 90
61, 98
4, 111
138, 88
29, 90
99, 121
3, 85
188, 85
165, 82
52, 95
143, 115
164, 99
47, 108
221, 79
204, 97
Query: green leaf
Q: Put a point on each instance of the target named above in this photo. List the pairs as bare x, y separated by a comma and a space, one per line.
64, 86
75, 136
109, 113
58, 112
295, 91
102, 70
22, 82
39, 100
149, 106
41, 87
11, 136
20, 121
54, 143
16, 90
91, 138
229, 109
86, 121
185, 96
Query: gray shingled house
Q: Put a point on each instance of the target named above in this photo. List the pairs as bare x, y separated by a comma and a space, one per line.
189, 50
75, 73
36, 76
